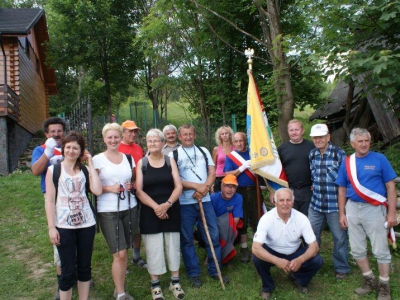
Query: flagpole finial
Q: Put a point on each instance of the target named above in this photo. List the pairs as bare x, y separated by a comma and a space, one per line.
249, 53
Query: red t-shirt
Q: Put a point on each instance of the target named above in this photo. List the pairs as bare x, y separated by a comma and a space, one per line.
134, 150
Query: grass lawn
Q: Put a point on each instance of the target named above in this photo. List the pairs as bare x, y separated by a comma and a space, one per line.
27, 272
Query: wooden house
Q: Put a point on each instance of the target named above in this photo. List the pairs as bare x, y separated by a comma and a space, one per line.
351, 106
26, 82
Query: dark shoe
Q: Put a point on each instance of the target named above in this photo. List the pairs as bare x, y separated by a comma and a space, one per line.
57, 295
195, 281
340, 276
384, 291
301, 289
265, 295
370, 285
139, 262
244, 255
225, 279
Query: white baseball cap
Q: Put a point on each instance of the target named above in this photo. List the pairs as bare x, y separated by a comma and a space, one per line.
319, 130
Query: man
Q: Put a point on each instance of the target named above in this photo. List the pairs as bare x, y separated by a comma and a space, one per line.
228, 206
294, 157
237, 163
171, 137
325, 161
197, 172
277, 243
367, 204
42, 157
130, 133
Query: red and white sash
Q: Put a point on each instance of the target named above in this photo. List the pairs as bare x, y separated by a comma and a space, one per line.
366, 194
239, 161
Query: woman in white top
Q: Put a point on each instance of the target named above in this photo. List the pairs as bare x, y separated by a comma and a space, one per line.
116, 206
70, 217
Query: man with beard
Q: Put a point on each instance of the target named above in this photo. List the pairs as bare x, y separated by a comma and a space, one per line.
42, 157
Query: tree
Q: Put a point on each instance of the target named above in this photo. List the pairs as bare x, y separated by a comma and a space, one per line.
98, 37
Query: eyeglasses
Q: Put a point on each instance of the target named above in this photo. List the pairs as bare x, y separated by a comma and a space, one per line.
153, 141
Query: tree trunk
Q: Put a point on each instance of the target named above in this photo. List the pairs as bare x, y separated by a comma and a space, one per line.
271, 27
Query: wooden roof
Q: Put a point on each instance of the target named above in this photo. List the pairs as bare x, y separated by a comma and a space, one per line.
20, 22
336, 102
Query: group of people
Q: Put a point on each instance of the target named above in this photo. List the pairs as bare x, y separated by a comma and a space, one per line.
162, 196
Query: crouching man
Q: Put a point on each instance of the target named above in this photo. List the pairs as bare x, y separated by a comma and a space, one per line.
277, 243
228, 206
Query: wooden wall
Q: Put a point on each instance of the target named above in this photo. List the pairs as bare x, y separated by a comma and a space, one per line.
23, 78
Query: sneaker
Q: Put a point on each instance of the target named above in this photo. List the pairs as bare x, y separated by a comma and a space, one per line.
265, 295
384, 291
370, 285
244, 255
124, 297
340, 276
176, 289
225, 279
139, 262
57, 295
195, 281
116, 294
157, 294
301, 289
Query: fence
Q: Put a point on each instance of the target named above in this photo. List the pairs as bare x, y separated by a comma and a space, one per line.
80, 119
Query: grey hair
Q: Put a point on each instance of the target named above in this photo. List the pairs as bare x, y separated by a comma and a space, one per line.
280, 190
155, 133
169, 127
359, 132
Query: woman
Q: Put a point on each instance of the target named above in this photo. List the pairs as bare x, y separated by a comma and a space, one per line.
116, 206
70, 218
223, 138
158, 186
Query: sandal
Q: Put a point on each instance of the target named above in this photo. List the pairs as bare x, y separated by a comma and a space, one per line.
139, 262
157, 294
177, 290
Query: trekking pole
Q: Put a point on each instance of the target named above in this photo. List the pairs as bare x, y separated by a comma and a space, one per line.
121, 196
130, 217
203, 218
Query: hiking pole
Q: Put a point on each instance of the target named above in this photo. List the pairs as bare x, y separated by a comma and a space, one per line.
203, 218
130, 218
121, 196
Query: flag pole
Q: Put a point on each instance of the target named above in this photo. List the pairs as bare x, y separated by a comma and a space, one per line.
249, 53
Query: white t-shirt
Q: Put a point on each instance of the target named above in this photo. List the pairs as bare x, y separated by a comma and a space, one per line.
281, 237
111, 174
191, 161
73, 209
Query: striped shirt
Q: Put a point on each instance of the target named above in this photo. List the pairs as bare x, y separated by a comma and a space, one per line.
324, 170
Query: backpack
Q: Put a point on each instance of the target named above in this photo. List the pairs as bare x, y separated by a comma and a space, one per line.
145, 162
202, 152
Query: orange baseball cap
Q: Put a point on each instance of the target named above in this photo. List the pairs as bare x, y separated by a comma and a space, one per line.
230, 179
130, 125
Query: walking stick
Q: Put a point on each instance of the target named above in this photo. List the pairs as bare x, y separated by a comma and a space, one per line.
203, 217
121, 196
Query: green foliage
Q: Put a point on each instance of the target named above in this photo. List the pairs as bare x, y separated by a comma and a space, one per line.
392, 154
357, 38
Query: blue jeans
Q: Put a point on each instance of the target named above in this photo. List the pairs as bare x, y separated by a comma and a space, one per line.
190, 215
340, 243
303, 276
